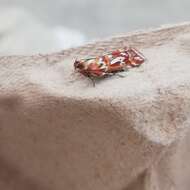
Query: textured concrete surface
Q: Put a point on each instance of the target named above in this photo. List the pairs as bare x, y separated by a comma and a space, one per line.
59, 132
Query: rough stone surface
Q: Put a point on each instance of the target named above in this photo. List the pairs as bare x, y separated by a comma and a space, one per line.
59, 132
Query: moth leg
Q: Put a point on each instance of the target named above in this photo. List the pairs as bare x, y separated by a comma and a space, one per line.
93, 81
119, 75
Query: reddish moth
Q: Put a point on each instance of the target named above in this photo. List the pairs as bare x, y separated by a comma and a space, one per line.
109, 64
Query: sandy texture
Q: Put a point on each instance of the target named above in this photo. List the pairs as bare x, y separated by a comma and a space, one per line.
59, 132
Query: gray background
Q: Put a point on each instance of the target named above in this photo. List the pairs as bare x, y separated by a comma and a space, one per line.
97, 18
102, 18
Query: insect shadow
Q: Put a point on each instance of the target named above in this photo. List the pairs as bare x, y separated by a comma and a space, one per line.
96, 80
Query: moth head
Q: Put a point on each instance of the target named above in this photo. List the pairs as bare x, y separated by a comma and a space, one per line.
78, 65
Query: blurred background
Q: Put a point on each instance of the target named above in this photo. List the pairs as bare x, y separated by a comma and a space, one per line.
45, 26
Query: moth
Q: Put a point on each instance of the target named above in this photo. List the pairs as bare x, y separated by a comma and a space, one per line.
110, 63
